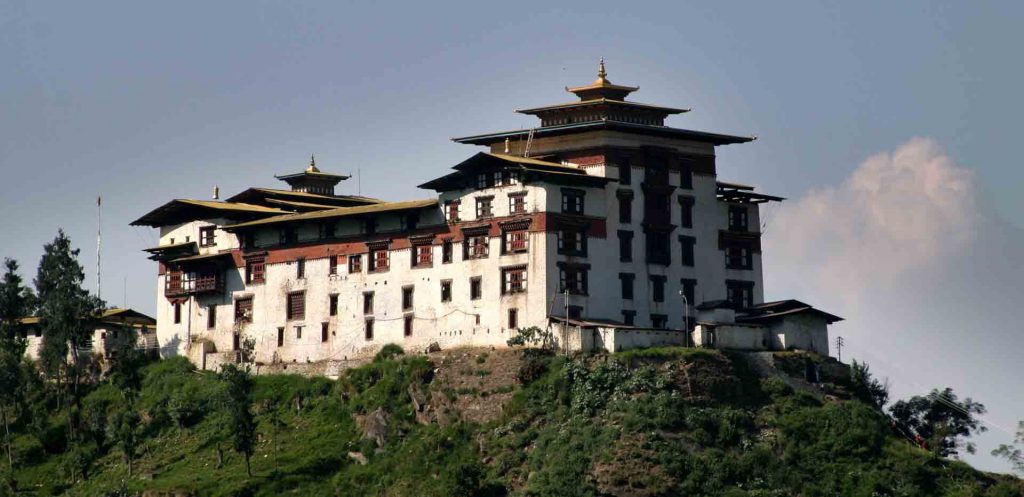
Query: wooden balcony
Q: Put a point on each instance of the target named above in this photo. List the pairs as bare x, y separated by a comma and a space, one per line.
192, 284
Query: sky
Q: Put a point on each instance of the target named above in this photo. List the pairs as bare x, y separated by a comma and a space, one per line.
889, 126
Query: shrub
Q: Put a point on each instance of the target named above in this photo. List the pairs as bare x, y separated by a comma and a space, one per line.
388, 352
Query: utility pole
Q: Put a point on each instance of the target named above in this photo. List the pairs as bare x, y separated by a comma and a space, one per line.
686, 316
839, 348
99, 244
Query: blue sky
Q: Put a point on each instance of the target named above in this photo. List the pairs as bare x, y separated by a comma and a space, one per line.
143, 103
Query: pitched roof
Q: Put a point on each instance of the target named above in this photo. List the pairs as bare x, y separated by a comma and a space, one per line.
602, 101
185, 209
561, 172
300, 206
774, 310
646, 129
256, 194
337, 213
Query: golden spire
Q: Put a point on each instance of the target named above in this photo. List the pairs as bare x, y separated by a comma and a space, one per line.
312, 165
600, 71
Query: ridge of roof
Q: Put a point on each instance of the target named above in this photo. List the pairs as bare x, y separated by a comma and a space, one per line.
599, 101
337, 212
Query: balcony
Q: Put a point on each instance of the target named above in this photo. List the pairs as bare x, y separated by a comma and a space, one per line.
192, 284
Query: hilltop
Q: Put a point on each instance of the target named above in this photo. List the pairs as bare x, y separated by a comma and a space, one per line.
655, 422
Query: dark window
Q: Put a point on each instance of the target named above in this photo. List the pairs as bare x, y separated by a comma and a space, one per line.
687, 243
411, 221
451, 211
513, 279
627, 285
476, 291
625, 209
243, 310
211, 317
296, 305
689, 289
625, 246
484, 180
287, 236
367, 302
659, 321
280, 337
575, 312
658, 288
476, 247
658, 248
368, 329
517, 203
740, 293
379, 260
332, 304
236, 342
407, 292
327, 230
513, 319
572, 201
255, 271
625, 172
177, 313
323, 332
446, 252
572, 242
355, 264
300, 268
207, 236
628, 318
573, 279
739, 258
370, 226
446, 290
332, 263
298, 333
686, 175
407, 325
738, 218
247, 240
686, 211
484, 207
422, 255
515, 241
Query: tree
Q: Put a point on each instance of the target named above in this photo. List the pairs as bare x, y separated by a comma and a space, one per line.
63, 306
15, 303
238, 402
126, 360
124, 431
866, 387
940, 420
1014, 453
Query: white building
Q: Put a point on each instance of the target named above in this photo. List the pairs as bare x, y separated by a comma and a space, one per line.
602, 214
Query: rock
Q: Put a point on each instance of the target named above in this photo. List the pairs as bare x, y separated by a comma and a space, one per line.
433, 347
358, 457
375, 426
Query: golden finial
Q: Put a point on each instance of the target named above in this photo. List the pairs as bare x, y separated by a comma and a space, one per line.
600, 71
312, 165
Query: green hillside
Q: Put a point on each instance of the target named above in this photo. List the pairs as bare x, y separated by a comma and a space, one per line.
659, 422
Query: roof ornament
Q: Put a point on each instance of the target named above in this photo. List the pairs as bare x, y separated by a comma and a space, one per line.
312, 165
601, 73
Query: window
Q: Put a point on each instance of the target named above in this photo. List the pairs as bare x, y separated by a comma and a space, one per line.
207, 236
740, 293
287, 236
296, 306
687, 243
370, 225
407, 298
517, 203
379, 259
625, 206
625, 246
407, 325
300, 268
573, 278
451, 211
657, 248
738, 218
422, 255
738, 258
686, 175
367, 302
247, 240
211, 317
515, 241
628, 317
625, 173
659, 321
410, 221
626, 280
657, 288
177, 313
243, 310
332, 304
280, 337
446, 251
298, 333
476, 247
575, 312
572, 201
572, 242
255, 271
484, 208
513, 319
513, 279
332, 265
368, 329
686, 211
446, 290
476, 288
688, 289
323, 332
355, 264
484, 180
327, 230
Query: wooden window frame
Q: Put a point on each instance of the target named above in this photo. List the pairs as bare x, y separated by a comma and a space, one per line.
515, 241
447, 252
514, 279
658, 287
451, 211
332, 304
324, 332
485, 207
422, 255
687, 247
295, 310
625, 246
446, 290
368, 329
367, 303
517, 203
477, 247
513, 318
243, 304
211, 317
476, 288
628, 283
255, 271
407, 325
355, 264
573, 201
208, 236
408, 295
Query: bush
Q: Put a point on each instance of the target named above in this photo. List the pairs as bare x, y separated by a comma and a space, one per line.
388, 352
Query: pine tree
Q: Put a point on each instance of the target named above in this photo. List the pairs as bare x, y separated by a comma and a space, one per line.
15, 303
240, 423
